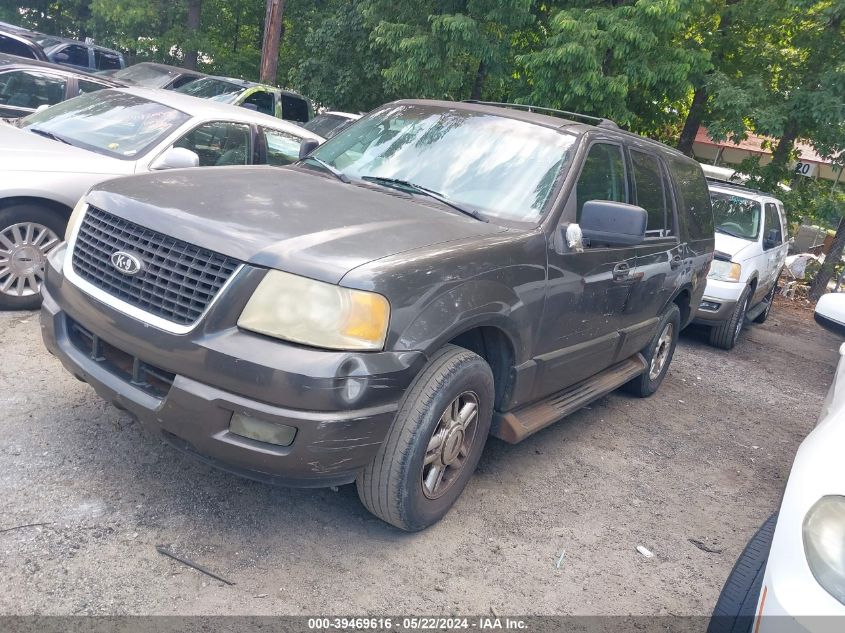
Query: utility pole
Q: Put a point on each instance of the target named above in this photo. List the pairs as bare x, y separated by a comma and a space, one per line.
272, 35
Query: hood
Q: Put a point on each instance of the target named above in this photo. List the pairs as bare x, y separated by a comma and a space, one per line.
21, 150
731, 245
290, 219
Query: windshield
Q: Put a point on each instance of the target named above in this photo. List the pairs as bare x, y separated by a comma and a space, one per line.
499, 167
736, 215
145, 75
108, 122
210, 88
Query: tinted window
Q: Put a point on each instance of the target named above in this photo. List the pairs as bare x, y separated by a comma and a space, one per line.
181, 81
282, 148
14, 47
694, 197
500, 167
109, 122
648, 179
86, 86
294, 108
210, 88
30, 89
76, 56
263, 102
106, 60
602, 177
219, 143
774, 231
327, 125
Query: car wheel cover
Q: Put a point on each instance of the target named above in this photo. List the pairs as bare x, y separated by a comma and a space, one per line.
450, 445
662, 349
23, 250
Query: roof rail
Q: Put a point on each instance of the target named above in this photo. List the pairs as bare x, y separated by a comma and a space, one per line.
598, 121
736, 185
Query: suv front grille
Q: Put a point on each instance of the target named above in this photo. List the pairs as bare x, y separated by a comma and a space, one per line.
177, 280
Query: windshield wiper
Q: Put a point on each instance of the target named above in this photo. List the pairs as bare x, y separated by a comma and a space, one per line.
329, 168
50, 135
398, 183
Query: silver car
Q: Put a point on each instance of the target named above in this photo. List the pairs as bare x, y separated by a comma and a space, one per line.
49, 159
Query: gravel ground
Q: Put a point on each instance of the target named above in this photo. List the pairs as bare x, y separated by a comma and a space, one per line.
705, 459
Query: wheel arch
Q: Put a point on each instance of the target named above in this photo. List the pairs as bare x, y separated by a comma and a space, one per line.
60, 208
497, 348
683, 298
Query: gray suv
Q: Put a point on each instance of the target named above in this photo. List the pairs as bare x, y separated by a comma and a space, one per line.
436, 273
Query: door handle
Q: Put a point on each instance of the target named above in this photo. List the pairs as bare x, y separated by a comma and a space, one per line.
621, 271
675, 262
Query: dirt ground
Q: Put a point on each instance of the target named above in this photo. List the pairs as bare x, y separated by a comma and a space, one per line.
704, 460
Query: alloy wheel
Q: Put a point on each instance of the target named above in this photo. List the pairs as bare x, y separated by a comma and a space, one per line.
661, 352
23, 250
450, 445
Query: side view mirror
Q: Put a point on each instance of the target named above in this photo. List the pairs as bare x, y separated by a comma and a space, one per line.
613, 223
61, 58
830, 313
307, 146
176, 158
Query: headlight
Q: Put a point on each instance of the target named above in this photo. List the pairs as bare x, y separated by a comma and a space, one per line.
824, 544
75, 217
315, 313
724, 271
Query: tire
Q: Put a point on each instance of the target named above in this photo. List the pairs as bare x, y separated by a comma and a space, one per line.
770, 297
737, 605
395, 485
27, 234
726, 334
658, 352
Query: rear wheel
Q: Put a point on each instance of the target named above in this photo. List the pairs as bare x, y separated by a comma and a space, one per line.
434, 444
726, 334
658, 354
27, 235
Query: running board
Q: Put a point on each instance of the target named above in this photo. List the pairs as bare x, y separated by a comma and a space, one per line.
756, 311
515, 426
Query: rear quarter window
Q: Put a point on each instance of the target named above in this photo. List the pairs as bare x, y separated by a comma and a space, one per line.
695, 212
294, 109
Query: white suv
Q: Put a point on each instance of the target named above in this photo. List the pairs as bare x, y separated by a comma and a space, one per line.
750, 251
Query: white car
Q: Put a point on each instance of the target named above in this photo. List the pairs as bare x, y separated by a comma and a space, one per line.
750, 251
49, 159
802, 548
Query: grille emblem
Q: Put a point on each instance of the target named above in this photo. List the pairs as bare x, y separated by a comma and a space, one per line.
126, 263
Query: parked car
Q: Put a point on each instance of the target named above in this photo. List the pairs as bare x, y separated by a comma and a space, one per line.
435, 273
26, 85
153, 75
59, 50
750, 252
329, 123
791, 576
54, 156
284, 104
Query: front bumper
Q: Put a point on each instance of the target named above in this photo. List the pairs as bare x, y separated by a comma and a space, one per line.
341, 404
719, 300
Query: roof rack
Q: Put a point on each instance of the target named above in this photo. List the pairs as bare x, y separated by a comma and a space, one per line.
736, 185
598, 121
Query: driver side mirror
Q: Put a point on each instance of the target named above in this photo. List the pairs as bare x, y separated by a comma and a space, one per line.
613, 223
176, 158
830, 313
307, 146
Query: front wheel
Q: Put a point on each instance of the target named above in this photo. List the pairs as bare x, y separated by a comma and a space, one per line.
434, 444
770, 298
27, 235
726, 334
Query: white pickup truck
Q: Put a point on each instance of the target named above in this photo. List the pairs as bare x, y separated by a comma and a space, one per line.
750, 251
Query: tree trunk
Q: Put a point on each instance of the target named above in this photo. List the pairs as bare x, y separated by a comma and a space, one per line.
193, 26
780, 157
270, 44
693, 121
819, 285
478, 84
